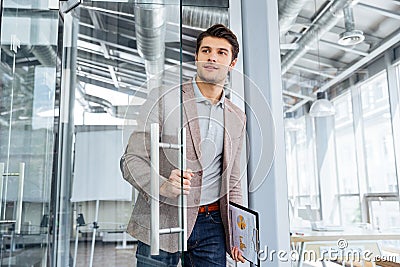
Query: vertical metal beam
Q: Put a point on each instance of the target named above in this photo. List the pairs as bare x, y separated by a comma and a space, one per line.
394, 98
2, 165
359, 141
237, 80
155, 189
21, 179
269, 196
182, 198
63, 222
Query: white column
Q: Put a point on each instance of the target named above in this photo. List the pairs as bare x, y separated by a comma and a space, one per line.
267, 189
326, 169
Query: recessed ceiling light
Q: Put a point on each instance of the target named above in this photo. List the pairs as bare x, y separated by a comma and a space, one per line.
351, 38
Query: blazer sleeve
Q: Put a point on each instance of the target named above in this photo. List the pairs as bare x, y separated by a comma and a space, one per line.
235, 189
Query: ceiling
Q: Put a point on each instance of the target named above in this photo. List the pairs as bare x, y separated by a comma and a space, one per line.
312, 59
116, 55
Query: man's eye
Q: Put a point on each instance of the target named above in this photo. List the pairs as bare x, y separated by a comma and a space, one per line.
206, 51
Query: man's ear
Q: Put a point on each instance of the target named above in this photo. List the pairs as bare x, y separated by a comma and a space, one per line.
233, 63
195, 57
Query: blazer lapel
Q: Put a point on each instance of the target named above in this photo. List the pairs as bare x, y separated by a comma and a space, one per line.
189, 106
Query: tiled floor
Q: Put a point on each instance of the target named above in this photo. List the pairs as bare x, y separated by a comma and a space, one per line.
105, 254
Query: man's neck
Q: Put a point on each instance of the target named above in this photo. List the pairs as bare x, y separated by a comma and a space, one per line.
212, 92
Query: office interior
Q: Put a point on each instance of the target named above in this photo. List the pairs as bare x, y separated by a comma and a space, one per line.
319, 81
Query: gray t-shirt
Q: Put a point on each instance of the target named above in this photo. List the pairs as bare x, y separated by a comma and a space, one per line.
211, 122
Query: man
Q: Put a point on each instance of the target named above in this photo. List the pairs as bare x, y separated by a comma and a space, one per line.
215, 133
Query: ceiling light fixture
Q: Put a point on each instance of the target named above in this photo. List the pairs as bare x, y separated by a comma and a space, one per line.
322, 107
350, 36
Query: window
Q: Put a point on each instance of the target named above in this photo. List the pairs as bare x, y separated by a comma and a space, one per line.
345, 145
378, 137
300, 158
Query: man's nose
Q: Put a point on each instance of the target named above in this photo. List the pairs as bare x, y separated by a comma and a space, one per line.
212, 57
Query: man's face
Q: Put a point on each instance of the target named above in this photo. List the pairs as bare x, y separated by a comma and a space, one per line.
214, 60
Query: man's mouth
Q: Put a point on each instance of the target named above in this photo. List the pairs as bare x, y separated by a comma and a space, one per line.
210, 67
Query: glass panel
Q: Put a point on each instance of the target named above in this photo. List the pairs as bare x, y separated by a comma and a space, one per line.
129, 67
129, 73
378, 135
302, 181
305, 149
345, 145
385, 214
29, 32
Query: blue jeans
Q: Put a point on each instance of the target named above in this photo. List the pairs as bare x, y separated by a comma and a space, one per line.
206, 246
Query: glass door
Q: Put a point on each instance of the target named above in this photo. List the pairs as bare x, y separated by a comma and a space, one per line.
29, 34
128, 138
125, 127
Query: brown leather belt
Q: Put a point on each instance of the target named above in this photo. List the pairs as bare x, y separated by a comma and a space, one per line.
210, 207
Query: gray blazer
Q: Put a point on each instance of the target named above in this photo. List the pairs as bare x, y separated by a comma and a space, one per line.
136, 168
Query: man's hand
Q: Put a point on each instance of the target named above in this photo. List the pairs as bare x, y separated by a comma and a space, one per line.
236, 254
172, 187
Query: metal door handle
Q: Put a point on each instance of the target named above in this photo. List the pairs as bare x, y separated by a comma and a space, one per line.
155, 230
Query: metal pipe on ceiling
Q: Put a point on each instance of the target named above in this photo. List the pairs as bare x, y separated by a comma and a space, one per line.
324, 23
46, 55
150, 28
202, 17
288, 13
348, 18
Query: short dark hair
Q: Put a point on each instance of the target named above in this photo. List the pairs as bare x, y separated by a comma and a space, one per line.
220, 31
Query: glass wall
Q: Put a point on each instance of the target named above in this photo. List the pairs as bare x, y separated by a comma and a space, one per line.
64, 127
129, 68
367, 180
131, 60
28, 94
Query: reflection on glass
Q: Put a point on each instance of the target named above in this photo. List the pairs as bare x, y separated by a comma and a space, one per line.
121, 56
27, 137
125, 52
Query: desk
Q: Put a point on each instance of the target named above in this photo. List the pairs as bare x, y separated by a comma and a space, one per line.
301, 236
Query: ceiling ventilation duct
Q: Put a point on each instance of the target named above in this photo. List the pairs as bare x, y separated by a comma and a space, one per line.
324, 23
350, 36
288, 13
150, 21
203, 17
46, 55
150, 26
